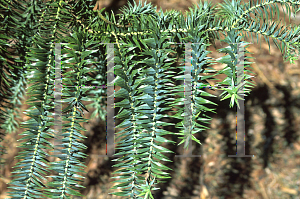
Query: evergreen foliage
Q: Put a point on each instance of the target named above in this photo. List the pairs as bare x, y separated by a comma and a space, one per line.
143, 68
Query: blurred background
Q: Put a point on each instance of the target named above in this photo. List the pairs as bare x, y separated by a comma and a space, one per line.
272, 135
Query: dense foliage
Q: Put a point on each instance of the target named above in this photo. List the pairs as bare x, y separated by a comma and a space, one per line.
145, 40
